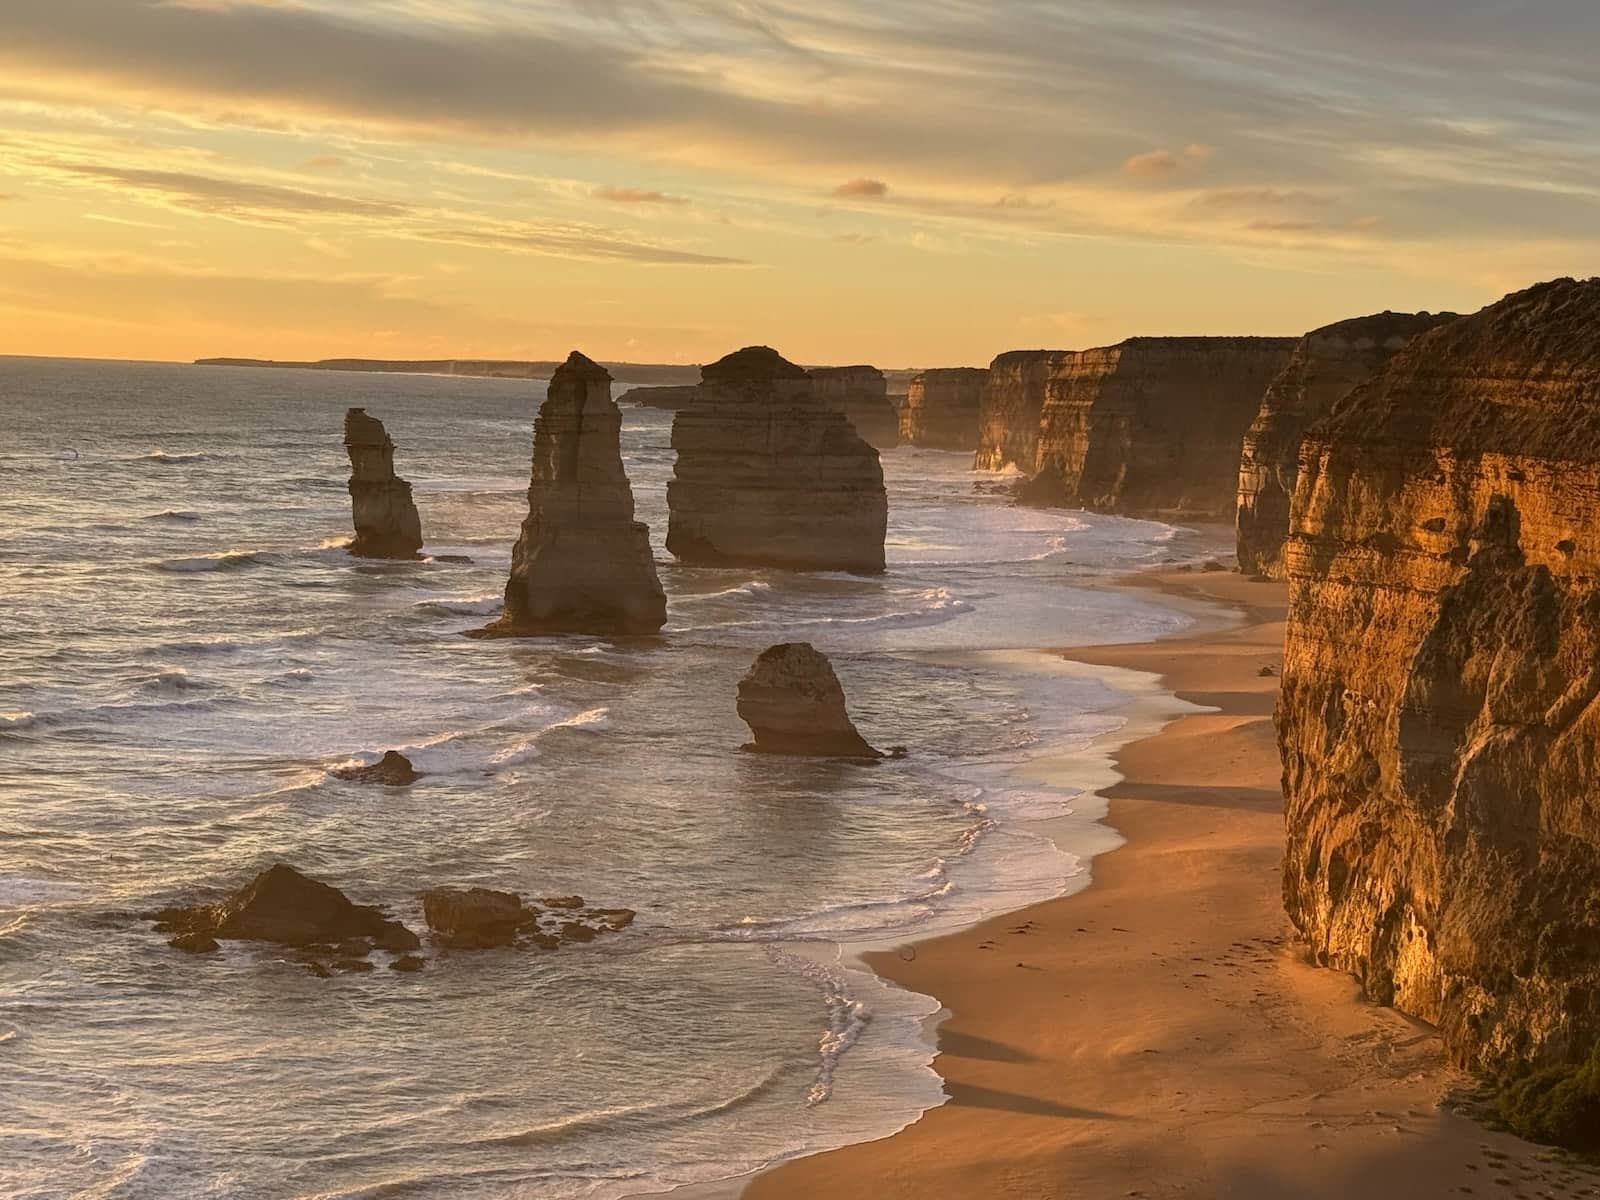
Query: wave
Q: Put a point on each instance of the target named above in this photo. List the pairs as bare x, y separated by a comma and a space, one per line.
226, 560
173, 458
848, 1018
753, 588
296, 675
174, 514
172, 679
11, 722
463, 606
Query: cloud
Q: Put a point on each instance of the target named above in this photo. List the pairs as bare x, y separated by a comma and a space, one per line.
862, 189
628, 195
324, 162
1259, 197
1157, 164
230, 197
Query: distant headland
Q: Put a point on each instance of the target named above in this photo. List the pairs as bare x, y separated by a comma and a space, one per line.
653, 373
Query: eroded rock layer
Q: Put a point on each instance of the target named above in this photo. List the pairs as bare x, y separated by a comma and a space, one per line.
1326, 364
862, 395
1438, 720
582, 563
385, 517
1152, 425
941, 408
769, 475
1009, 409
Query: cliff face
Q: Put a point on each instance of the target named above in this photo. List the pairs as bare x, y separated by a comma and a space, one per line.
1326, 364
1438, 718
861, 394
1152, 425
582, 563
941, 408
769, 475
385, 517
1008, 410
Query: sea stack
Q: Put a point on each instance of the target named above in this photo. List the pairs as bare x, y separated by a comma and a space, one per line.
941, 408
768, 475
582, 563
1151, 425
1008, 411
1326, 364
386, 521
792, 701
862, 395
672, 398
1441, 684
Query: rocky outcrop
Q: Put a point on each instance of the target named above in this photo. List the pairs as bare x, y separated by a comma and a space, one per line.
392, 770
1325, 366
862, 395
941, 408
1009, 409
1152, 425
768, 475
386, 521
792, 701
283, 906
479, 918
1438, 720
582, 563
672, 398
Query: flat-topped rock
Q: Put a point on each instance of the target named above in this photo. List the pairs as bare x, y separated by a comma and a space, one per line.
658, 397
1152, 425
582, 564
862, 395
1441, 681
768, 475
941, 409
794, 704
1325, 366
385, 516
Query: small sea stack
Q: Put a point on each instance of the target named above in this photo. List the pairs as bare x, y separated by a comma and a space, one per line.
385, 516
941, 408
794, 704
582, 563
862, 395
392, 770
768, 475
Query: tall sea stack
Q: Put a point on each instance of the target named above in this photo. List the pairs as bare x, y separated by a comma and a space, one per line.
386, 521
1151, 425
1326, 364
862, 395
582, 563
1008, 412
1440, 707
769, 475
941, 408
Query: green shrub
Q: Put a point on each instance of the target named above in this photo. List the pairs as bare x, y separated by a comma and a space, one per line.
1557, 1105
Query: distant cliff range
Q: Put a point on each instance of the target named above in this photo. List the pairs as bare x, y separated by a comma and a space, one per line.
658, 373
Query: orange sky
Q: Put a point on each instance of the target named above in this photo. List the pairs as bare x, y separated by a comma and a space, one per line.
901, 183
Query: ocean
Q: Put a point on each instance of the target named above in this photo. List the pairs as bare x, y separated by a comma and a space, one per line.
187, 652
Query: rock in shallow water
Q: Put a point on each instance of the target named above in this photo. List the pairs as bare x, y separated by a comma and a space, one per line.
393, 770
479, 918
793, 703
385, 516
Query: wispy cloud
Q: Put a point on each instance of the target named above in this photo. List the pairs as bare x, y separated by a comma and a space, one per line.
628, 195
862, 189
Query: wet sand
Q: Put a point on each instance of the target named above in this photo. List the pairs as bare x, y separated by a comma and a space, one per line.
1159, 1033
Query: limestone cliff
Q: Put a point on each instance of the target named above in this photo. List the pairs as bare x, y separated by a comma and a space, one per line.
768, 475
1008, 410
582, 563
941, 408
1438, 719
385, 517
862, 395
1151, 425
1326, 364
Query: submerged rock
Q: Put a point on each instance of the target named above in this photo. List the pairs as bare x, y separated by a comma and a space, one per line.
480, 918
862, 395
393, 770
386, 520
941, 408
769, 475
1326, 365
1440, 706
283, 906
793, 703
582, 563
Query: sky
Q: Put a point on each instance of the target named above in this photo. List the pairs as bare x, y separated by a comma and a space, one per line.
901, 182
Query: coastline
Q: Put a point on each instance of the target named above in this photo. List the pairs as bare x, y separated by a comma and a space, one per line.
1157, 1032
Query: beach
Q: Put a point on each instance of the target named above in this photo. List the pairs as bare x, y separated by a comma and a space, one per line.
1160, 1033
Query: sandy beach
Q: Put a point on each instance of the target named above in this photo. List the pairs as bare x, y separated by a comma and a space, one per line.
1159, 1033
